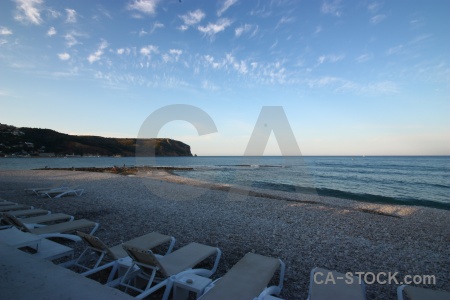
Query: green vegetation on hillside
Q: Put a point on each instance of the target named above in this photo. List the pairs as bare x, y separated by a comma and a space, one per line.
45, 142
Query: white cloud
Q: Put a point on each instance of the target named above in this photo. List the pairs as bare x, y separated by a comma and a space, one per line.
53, 13
98, 54
225, 6
191, 18
71, 38
377, 19
28, 11
364, 57
5, 31
285, 20
345, 85
173, 55
242, 29
144, 6
71, 15
51, 31
148, 50
212, 29
332, 8
332, 58
142, 32
394, 50
155, 26
318, 30
373, 7
64, 56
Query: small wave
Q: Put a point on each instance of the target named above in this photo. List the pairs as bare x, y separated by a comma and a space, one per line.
349, 195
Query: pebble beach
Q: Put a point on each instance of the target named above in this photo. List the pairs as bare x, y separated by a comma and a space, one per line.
305, 231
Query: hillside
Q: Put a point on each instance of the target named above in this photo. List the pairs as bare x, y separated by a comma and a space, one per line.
45, 142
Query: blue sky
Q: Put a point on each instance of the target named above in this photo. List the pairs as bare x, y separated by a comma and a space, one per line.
353, 77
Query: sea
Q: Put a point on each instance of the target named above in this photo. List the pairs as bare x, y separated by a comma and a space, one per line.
405, 180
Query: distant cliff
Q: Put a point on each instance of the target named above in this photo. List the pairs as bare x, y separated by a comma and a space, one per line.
45, 142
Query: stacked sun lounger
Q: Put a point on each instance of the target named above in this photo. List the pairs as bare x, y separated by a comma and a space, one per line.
56, 192
26, 228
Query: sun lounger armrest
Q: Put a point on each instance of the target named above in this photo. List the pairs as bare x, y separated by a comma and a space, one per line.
276, 289
95, 228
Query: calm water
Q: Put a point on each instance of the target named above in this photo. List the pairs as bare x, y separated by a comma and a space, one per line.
404, 180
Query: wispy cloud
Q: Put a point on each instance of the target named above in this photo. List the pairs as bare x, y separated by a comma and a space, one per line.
64, 56
213, 28
332, 8
71, 15
148, 50
28, 11
373, 7
284, 20
173, 55
245, 29
71, 38
241, 29
51, 31
344, 85
377, 19
318, 30
147, 7
126, 51
98, 54
191, 18
225, 6
155, 26
5, 31
394, 50
332, 58
364, 57
51, 13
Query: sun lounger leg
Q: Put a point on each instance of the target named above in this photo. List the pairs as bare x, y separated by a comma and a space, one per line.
94, 229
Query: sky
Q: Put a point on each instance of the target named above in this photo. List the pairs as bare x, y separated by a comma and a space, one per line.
352, 77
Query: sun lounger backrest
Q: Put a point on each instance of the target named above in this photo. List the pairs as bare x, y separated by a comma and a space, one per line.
15, 222
144, 257
246, 279
96, 243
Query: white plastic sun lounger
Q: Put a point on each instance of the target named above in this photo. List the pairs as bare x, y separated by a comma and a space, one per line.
40, 221
146, 265
58, 193
6, 208
248, 279
60, 230
110, 256
416, 293
320, 288
4, 203
37, 190
29, 212
38, 246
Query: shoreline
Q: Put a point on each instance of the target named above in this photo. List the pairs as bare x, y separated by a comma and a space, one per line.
289, 196
305, 231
